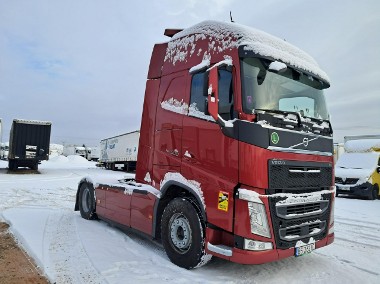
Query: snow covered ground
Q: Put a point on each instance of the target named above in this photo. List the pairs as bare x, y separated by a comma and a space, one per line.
69, 249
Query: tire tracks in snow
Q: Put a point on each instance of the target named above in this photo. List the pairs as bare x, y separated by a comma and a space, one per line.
66, 253
356, 236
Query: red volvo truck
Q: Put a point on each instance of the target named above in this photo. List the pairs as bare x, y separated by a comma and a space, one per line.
235, 154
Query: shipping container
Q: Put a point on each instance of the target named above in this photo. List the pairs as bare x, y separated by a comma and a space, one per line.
29, 143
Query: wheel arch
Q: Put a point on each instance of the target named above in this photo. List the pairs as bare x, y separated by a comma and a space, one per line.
170, 191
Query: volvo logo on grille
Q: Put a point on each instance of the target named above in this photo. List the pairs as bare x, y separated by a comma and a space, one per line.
278, 162
305, 141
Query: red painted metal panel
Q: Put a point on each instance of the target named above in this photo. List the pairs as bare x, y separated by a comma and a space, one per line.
253, 163
211, 160
156, 60
142, 212
146, 142
118, 202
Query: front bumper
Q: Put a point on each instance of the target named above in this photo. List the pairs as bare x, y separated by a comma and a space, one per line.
362, 190
259, 257
292, 220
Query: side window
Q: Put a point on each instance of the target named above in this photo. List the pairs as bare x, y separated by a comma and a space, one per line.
226, 95
198, 94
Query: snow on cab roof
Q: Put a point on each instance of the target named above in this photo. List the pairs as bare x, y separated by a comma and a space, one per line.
232, 35
363, 145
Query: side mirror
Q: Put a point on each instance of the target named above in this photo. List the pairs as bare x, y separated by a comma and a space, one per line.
378, 170
213, 97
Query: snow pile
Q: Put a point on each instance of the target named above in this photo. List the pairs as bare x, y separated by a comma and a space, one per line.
56, 149
363, 145
224, 36
73, 159
77, 159
60, 161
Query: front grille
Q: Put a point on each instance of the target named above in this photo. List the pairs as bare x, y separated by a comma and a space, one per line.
304, 230
301, 209
299, 221
338, 180
298, 176
346, 181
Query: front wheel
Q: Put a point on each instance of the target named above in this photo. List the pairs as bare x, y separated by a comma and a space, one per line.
87, 201
182, 233
375, 192
372, 195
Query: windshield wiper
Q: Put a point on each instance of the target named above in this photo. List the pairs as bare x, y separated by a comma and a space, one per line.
321, 120
281, 112
297, 114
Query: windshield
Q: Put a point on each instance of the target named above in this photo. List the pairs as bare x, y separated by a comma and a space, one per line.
287, 91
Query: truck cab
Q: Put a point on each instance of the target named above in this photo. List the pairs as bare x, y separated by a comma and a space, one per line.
235, 152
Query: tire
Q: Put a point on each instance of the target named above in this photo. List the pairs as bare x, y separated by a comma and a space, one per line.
374, 193
12, 165
35, 167
87, 201
183, 234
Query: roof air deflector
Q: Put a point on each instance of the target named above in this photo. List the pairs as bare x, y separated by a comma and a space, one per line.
172, 32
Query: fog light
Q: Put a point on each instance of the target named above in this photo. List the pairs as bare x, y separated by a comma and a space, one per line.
256, 245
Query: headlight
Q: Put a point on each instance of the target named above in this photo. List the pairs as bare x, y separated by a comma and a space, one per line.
259, 220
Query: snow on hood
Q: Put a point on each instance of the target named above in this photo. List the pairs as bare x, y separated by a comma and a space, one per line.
357, 165
363, 145
231, 35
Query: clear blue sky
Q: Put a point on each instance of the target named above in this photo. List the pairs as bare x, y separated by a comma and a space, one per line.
83, 64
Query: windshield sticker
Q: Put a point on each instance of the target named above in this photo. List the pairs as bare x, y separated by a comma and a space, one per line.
274, 138
223, 201
249, 100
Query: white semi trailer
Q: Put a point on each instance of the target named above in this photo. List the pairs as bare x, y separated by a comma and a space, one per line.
74, 150
93, 153
120, 152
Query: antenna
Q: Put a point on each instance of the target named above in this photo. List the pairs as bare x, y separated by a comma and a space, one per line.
232, 21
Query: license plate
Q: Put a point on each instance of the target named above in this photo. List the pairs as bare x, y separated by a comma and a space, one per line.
347, 188
305, 249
